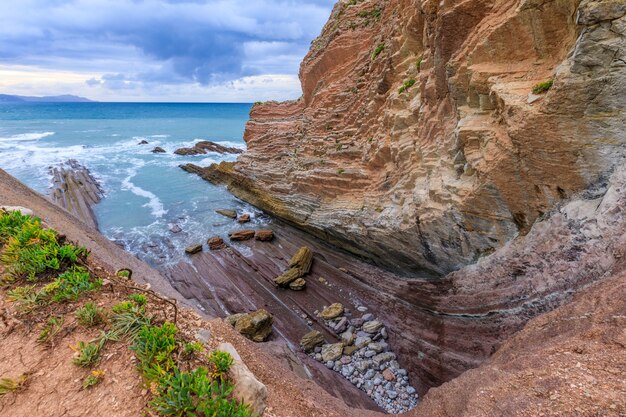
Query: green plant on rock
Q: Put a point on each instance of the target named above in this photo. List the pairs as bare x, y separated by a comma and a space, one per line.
418, 64
11, 222
51, 328
542, 87
196, 394
87, 354
221, 363
379, 48
407, 84
89, 315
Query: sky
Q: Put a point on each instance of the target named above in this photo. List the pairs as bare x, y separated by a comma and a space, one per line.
157, 50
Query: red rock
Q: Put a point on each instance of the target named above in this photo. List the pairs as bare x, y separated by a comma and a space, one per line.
240, 235
264, 235
216, 243
388, 375
244, 218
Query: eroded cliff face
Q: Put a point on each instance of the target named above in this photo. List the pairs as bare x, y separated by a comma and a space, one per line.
433, 177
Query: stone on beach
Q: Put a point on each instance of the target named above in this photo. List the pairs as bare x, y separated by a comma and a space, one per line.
244, 218
240, 235
264, 235
332, 352
288, 277
228, 213
193, 249
256, 326
248, 389
332, 311
216, 243
372, 326
311, 340
302, 260
298, 285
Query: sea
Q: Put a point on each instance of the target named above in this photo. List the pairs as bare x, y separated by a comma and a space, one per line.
147, 196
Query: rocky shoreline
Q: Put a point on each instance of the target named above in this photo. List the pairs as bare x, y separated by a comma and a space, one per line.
76, 190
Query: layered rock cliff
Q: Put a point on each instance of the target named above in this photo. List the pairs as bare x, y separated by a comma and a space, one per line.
418, 141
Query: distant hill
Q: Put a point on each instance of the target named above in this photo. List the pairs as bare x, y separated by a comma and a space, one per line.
66, 98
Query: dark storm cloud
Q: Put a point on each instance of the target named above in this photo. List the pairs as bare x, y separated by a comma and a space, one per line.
160, 41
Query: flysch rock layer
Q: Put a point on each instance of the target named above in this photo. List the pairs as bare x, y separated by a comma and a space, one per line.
434, 177
466, 167
76, 190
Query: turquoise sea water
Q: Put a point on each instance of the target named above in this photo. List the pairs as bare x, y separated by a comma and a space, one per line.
145, 193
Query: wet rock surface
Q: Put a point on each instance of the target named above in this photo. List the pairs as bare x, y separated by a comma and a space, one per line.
204, 147
240, 235
76, 190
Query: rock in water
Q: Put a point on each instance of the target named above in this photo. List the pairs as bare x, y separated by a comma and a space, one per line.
206, 146
248, 389
174, 228
288, 277
216, 243
256, 326
302, 260
241, 235
193, 249
158, 149
332, 352
264, 235
244, 218
332, 311
311, 340
298, 285
228, 213
143, 142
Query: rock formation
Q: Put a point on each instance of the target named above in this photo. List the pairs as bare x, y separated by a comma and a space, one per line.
76, 190
203, 147
418, 142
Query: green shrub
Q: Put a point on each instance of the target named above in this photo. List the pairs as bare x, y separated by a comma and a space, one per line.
407, 84
31, 250
378, 50
51, 328
72, 283
139, 299
192, 348
195, 394
89, 315
129, 321
93, 379
153, 347
8, 385
542, 87
86, 354
221, 362
341, 171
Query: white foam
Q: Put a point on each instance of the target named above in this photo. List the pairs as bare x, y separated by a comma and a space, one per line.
27, 136
154, 203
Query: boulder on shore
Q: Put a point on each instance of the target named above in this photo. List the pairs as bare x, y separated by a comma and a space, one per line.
332, 352
298, 285
302, 260
332, 311
216, 243
288, 277
248, 389
192, 249
256, 326
311, 340
228, 213
264, 235
240, 235
204, 147
244, 218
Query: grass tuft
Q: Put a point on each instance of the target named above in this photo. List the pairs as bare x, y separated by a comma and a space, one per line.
89, 315
542, 87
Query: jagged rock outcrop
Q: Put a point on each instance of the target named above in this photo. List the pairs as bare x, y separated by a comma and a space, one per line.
204, 146
417, 141
76, 190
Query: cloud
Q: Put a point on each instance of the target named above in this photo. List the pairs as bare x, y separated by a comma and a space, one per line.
153, 42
